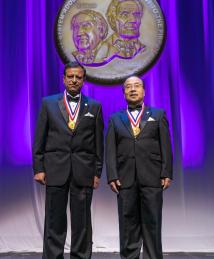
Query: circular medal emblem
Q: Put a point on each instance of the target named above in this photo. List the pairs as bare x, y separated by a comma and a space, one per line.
113, 39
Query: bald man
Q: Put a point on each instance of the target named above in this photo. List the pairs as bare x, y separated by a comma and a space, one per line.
139, 168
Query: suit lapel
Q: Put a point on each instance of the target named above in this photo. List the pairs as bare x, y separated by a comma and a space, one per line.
83, 110
63, 109
145, 116
126, 122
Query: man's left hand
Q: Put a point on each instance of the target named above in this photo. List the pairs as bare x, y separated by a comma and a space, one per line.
96, 182
165, 182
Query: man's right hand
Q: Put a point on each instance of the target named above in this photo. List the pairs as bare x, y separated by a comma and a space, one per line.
115, 185
40, 178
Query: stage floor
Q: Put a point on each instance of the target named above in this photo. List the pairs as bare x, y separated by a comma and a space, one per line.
114, 256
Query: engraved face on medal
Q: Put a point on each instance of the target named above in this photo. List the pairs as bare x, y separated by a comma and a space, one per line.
113, 39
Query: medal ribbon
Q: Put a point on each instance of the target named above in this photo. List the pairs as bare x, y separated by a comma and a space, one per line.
135, 121
71, 114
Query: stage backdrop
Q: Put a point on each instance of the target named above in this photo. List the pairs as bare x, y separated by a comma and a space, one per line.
181, 83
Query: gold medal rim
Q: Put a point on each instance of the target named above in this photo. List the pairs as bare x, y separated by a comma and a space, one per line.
136, 130
71, 124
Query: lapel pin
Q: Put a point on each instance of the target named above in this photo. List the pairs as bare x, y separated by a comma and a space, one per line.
86, 104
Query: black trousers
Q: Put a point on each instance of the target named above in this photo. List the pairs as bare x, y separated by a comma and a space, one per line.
56, 221
140, 218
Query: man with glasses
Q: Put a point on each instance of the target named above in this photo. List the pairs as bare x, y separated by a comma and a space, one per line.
139, 168
67, 159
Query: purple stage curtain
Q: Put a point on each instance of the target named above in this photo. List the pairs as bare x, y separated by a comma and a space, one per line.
182, 82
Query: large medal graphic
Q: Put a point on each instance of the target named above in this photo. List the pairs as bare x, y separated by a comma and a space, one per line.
113, 39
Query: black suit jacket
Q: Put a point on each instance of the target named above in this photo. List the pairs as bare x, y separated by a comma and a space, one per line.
147, 157
57, 150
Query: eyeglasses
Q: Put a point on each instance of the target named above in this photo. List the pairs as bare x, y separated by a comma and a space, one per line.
130, 87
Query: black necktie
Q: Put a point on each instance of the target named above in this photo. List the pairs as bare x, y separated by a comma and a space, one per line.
134, 108
73, 98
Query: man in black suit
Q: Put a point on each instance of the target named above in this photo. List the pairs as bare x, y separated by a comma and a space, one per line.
68, 157
139, 167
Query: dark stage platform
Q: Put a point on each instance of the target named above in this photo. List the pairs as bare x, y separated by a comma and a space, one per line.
113, 256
